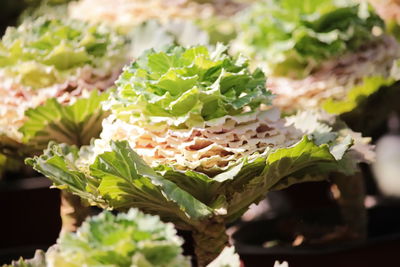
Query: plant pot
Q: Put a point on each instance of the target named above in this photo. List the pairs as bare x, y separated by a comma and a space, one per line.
379, 248
30, 217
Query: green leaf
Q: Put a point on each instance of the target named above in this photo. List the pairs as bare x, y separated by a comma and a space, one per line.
327, 129
119, 179
356, 95
58, 163
253, 183
74, 124
126, 177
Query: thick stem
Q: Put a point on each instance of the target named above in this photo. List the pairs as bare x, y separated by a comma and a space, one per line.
349, 191
73, 212
209, 242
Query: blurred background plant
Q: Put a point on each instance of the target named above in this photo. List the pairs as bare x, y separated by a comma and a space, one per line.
53, 74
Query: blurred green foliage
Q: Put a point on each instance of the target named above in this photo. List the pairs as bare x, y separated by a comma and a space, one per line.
11, 10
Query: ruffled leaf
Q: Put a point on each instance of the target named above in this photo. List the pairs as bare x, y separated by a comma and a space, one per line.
120, 179
255, 180
185, 87
75, 123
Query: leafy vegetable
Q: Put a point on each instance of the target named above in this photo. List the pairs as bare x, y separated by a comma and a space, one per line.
125, 239
131, 239
48, 51
39, 8
60, 60
292, 38
120, 179
189, 141
185, 87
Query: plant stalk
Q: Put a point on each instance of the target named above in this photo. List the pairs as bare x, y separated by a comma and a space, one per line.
350, 197
209, 242
73, 212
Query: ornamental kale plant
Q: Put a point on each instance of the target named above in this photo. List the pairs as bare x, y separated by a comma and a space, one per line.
294, 37
334, 55
60, 60
193, 138
52, 76
44, 52
131, 239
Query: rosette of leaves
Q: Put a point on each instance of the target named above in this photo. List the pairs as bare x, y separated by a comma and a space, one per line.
40, 53
334, 55
47, 69
292, 38
131, 239
75, 123
192, 138
53, 58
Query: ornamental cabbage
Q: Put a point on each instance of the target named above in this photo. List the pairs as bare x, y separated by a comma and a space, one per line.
48, 67
131, 239
53, 59
319, 52
44, 52
182, 88
292, 38
193, 139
